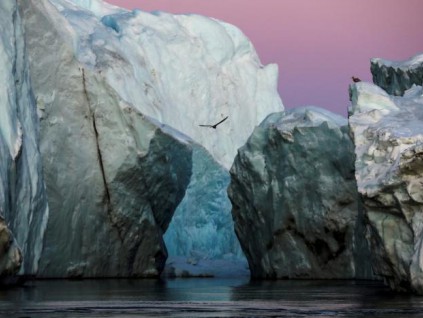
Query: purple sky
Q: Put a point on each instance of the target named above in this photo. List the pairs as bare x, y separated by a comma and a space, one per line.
318, 44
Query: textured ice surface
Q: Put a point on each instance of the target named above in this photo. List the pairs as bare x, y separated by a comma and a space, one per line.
179, 71
294, 198
98, 7
22, 196
202, 226
397, 77
388, 136
183, 70
113, 177
413, 62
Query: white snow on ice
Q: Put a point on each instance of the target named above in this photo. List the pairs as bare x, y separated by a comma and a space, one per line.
182, 70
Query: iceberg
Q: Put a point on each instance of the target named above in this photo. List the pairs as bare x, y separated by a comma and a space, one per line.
397, 76
388, 137
101, 134
113, 176
182, 71
294, 199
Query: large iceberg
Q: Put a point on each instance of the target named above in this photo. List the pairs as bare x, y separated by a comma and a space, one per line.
388, 137
295, 201
183, 71
113, 176
202, 227
102, 108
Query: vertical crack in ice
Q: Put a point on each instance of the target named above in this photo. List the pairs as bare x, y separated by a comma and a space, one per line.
100, 159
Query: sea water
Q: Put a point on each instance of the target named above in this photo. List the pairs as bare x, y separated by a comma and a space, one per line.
206, 297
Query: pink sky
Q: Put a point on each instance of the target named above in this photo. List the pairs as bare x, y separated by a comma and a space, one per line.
318, 44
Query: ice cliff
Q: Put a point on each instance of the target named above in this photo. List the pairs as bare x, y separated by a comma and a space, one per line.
100, 142
23, 202
182, 70
102, 108
294, 198
388, 137
113, 176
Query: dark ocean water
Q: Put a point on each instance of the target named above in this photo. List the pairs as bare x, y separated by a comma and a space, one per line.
206, 298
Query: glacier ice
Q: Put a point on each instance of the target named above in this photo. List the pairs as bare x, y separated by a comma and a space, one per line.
113, 177
294, 198
397, 77
388, 136
113, 102
100, 141
202, 226
22, 194
182, 70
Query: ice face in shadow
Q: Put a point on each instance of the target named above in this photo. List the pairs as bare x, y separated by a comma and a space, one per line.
23, 203
397, 77
202, 228
183, 71
294, 199
113, 176
388, 137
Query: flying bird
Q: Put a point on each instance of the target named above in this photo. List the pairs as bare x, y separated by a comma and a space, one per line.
356, 79
215, 125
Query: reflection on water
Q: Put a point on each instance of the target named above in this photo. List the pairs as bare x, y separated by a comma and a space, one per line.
206, 298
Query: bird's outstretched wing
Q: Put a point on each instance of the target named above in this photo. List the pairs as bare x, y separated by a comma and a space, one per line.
215, 125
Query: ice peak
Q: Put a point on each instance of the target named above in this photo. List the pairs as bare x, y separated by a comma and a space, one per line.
306, 116
413, 62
